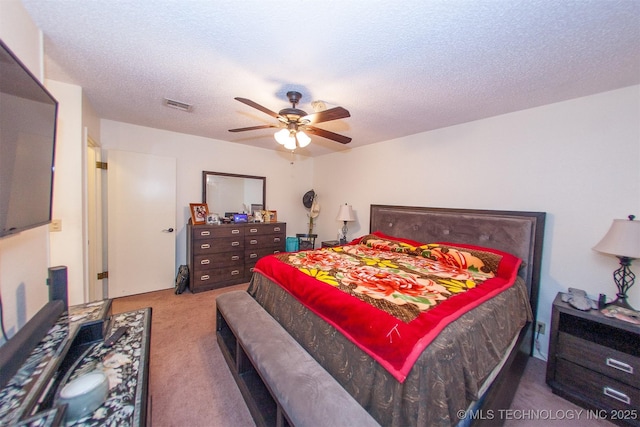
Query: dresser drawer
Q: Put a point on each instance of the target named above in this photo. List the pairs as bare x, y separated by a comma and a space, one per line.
264, 240
253, 255
217, 231
218, 275
223, 244
265, 228
597, 388
608, 361
215, 260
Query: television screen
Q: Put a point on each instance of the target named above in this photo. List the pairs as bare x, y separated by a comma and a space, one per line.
28, 115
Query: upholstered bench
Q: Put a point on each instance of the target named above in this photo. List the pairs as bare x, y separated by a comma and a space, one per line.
281, 383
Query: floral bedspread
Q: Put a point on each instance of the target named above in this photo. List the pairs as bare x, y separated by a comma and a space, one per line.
392, 296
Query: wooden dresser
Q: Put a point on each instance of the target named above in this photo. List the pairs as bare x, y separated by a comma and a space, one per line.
594, 361
224, 255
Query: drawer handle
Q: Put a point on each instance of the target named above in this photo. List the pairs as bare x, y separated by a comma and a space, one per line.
276, 228
235, 243
253, 230
253, 242
205, 233
608, 391
276, 240
235, 272
251, 269
205, 277
235, 258
235, 231
205, 246
621, 366
253, 256
205, 261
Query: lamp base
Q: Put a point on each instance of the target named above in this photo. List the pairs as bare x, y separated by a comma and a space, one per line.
623, 278
343, 238
621, 302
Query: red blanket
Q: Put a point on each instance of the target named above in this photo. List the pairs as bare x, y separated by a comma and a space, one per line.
392, 296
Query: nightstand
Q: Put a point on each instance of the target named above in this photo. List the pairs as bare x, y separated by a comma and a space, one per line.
330, 243
594, 361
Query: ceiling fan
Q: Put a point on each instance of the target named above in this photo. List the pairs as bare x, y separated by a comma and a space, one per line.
295, 122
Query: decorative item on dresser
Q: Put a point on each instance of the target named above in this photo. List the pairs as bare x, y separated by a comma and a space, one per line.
199, 212
594, 361
224, 255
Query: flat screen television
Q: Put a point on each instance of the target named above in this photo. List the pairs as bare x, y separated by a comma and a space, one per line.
28, 116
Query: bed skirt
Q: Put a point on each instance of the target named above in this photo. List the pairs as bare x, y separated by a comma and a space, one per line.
448, 376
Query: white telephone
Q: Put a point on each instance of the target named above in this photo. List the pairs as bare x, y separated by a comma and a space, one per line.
577, 298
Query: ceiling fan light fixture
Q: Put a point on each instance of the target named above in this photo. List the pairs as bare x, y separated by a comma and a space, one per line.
282, 136
293, 120
303, 139
290, 144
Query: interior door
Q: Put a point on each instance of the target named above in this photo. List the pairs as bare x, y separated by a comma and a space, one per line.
94, 257
141, 222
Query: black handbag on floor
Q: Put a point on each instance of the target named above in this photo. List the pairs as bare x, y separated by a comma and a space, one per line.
182, 279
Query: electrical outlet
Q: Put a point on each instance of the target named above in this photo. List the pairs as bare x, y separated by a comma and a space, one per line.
55, 225
540, 328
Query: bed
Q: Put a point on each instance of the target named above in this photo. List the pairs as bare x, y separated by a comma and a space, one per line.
476, 355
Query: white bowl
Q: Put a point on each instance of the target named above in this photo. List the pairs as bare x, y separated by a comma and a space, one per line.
84, 394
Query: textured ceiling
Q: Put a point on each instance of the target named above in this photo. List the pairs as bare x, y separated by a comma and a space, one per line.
399, 67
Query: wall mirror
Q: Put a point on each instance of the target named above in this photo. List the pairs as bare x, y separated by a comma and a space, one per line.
227, 193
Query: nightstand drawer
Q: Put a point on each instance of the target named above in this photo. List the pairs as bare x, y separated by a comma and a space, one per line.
613, 363
597, 388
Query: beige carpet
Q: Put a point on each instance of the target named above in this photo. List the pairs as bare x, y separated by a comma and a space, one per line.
190, 384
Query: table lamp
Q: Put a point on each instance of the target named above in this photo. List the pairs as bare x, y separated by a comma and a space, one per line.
623, 241
345, 214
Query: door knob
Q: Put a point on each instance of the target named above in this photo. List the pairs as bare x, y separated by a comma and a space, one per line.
168, 230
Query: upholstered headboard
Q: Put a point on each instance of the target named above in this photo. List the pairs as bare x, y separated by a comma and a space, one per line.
519, 233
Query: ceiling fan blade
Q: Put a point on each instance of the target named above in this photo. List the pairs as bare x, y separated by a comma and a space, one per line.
327, 115
250, 103
327, 134
253, 128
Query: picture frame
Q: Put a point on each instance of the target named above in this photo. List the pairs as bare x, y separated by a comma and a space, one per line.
256, 208
213, 219
258, 216
273, 216
199, 212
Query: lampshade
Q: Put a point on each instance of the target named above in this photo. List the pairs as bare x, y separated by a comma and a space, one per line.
345, 213
290, 144
303, 139
622, 239
282, 136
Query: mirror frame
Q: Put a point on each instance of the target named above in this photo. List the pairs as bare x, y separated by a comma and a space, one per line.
205, 174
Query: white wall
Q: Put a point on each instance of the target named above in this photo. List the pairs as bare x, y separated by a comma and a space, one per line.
68, 244
578, 160
286, 182
24, 258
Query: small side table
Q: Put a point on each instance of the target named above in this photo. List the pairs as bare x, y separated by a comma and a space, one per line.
594, 361
330, 243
